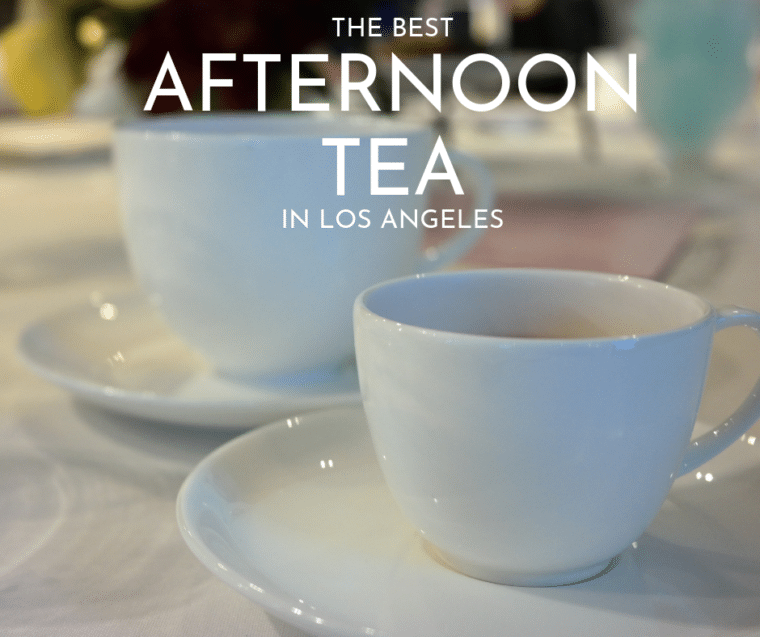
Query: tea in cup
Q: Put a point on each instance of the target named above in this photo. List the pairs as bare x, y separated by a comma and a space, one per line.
529, 422
254, 233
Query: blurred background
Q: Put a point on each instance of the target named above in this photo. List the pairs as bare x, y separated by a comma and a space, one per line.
97, 56
613, 189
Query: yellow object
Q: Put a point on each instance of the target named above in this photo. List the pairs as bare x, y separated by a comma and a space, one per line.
44, 68
92, 33
43, 60
524, 9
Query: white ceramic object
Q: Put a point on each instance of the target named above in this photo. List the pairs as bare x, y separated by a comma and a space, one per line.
204, 200
117, 353
531, 422
296, 516
54, 137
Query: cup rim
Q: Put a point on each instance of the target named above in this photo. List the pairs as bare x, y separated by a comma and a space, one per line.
247, 126
360, 306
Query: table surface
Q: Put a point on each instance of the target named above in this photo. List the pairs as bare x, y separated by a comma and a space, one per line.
90, 542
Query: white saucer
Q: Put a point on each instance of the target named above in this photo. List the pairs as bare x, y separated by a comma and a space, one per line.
296, 516
54, 137
118, 354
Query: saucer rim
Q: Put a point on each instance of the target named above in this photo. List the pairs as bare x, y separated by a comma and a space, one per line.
95, 135
278, 602
239, 412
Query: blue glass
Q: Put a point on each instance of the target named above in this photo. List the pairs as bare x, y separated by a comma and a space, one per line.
693, 74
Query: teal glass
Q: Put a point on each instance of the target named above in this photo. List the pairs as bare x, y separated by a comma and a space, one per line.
693, 71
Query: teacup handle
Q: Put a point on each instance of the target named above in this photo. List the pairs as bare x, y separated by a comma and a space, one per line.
449, 251
709, 445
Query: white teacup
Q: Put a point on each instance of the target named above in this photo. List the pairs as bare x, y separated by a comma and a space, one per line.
530, 423
204, 203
